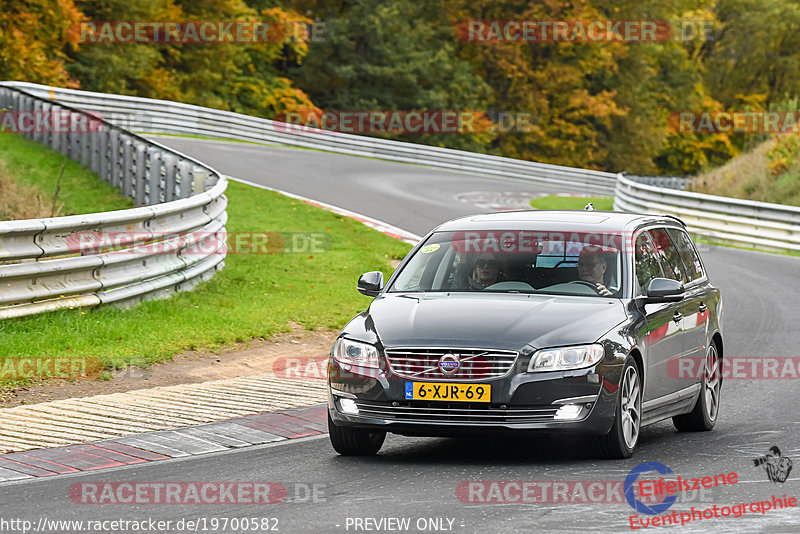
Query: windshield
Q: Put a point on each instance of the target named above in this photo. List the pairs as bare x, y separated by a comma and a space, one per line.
564, 263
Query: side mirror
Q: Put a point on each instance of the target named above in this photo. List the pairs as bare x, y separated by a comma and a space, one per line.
371, 283
663, 290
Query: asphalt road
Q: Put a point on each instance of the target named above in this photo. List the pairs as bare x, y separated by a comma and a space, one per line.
412, 197
417, 478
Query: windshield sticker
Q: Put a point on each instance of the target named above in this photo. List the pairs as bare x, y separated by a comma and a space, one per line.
427, 249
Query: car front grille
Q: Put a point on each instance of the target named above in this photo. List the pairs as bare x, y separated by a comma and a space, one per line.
463, 412
474, 364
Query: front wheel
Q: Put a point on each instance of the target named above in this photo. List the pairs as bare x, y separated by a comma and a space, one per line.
623, 437
704, 415
349, 441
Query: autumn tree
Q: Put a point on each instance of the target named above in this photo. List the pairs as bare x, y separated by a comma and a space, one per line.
235, 76
34, 40
554, 81
397, 55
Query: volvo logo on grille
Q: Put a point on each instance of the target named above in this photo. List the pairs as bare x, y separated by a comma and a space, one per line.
449, 364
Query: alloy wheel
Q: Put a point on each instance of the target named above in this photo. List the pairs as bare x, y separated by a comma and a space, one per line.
631, 406
712, 383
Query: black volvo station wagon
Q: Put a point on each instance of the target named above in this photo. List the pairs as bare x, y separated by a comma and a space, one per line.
559, 321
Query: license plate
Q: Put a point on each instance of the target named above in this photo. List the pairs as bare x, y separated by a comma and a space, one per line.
440, 391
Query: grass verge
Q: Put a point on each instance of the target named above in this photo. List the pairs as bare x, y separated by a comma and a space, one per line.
556, 202
34, 169
255, 296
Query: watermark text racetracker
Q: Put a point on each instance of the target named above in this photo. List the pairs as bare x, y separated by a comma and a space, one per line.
317, 368
185, 493
405, 122
735, 367
734, 122
549, 242
587, 31
558, 492
149, 524
65, 367
51, 121
150, 243
197, 31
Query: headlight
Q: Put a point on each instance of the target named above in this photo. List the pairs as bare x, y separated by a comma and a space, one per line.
349, 352
565, 358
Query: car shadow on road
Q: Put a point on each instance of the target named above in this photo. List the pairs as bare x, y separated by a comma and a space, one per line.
545, 449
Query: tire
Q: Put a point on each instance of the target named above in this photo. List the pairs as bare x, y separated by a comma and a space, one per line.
621, 440
704, 415
349, 441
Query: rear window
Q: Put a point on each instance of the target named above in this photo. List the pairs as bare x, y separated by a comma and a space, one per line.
514, 262
674, 266
694, 268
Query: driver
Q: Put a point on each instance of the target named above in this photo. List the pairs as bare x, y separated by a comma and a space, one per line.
486, 269
592, 267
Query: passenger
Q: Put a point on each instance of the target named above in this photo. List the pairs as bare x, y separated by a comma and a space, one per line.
592, 267
486, 269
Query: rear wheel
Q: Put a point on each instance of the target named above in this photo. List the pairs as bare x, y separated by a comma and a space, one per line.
349, 441
704, 415
623, 437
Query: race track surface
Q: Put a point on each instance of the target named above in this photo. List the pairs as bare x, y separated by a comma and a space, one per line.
417, 478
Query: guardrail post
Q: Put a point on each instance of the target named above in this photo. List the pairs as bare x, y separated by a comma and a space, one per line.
46, 134
170, 172
55, 138
103, 156
184, 179
87, 141
95, 149
199, 177
37, 135
140, 174
127, 166
76, 137
115, 161
65, 138
154, 183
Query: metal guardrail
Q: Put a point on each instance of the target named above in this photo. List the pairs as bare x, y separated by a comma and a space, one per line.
747, 223
668, 182
728, 220
164, 246
161, 116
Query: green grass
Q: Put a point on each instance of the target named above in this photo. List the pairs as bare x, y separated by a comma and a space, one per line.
555, 202
211, 138
32, 164
254, 296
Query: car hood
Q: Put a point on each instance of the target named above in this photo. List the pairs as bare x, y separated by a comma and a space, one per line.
500, 321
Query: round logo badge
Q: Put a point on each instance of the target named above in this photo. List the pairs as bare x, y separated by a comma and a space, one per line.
449, 364
630, 485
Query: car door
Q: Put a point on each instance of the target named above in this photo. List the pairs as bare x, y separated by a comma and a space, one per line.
692, 311
661, 336
699, 296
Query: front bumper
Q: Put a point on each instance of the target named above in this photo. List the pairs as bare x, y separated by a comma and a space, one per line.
520, 402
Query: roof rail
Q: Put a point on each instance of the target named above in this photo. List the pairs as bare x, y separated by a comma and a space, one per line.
674, 217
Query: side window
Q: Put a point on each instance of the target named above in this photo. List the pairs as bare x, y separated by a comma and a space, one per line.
673, 264
647, 262
694, 269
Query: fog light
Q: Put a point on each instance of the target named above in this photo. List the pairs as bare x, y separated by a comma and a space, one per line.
348, 406
569, 411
